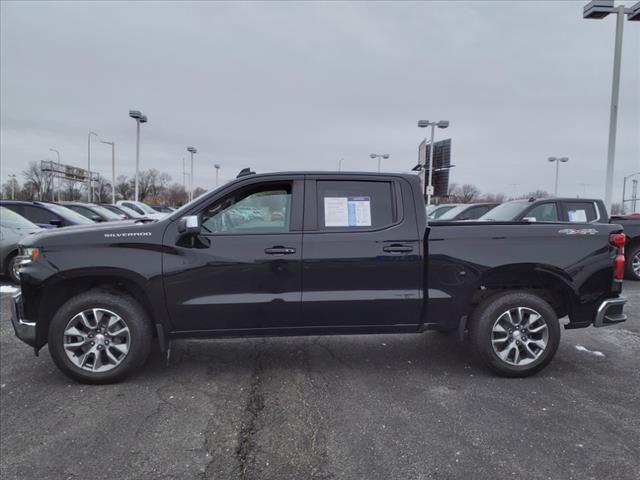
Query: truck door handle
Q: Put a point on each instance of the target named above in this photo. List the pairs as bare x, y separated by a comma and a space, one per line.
398, 249
278, 250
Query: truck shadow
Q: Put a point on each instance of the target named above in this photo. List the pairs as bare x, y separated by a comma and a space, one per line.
430, 353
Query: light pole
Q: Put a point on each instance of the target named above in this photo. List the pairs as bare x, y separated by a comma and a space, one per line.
217, 167
191, 150
53, 194
598, 9
557, 160
139, 118
433, 125
113, 169
89, 184
13, 186
340, 164
624, 186
379, 156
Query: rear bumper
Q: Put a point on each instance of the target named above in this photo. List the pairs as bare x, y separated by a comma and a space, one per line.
25, 330
610, 312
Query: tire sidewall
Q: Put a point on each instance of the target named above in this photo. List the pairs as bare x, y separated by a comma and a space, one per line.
132, 314
10, 269
482, 325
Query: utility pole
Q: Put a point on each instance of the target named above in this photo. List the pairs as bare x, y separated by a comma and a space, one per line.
113, 169
13, 186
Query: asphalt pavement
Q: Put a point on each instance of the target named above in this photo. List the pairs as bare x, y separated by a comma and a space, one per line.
361, 407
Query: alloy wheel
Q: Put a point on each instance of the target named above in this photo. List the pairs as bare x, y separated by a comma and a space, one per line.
519, 336
97, 340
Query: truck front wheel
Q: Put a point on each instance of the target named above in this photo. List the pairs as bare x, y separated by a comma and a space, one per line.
515, 334
99, 337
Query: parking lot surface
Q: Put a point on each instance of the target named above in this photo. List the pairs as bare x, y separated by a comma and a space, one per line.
362, 407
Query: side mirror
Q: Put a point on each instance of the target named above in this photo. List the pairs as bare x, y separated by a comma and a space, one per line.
55, 222
96, 218
189, 225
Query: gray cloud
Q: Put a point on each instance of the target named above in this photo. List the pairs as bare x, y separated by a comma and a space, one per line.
299, 85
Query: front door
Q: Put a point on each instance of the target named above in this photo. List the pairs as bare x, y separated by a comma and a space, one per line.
243, 272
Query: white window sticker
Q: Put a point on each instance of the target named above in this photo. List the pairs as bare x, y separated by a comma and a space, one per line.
577, 216
359, 211
336, 212
347, 211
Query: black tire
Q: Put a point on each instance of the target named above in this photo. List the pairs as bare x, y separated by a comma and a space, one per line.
11, 269
481, 334
633, 255
130, 311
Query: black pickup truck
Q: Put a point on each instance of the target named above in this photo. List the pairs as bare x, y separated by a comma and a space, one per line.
313, 254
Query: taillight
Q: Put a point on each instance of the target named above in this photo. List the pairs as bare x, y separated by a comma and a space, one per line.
618, 240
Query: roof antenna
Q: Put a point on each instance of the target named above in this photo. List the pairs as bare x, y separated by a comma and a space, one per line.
244, 172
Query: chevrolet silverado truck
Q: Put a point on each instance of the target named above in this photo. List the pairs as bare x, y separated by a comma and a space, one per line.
313, 253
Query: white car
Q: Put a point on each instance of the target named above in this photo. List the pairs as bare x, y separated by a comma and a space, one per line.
139, 209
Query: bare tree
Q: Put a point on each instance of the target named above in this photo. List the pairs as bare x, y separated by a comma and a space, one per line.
40, 183
124, 187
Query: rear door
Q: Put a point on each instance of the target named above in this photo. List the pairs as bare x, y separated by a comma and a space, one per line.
362, 262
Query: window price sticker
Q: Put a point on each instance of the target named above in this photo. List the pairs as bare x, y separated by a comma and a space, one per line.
347, 211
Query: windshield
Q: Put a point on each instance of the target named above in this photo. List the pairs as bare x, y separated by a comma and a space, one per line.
506, 212
452, 213
144, 207
10, 219
439, 211
105, 212
69, 214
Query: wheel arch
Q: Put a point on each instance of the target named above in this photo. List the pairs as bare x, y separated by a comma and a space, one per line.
550, 283
63, 286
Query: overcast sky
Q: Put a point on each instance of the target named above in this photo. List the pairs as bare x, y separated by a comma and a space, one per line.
279, 86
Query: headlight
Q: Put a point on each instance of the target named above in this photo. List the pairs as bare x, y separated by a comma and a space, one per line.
29, 255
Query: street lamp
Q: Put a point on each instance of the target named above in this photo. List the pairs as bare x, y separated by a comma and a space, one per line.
217, 167
624, 187
139, 118
191, 150
113, 169
433, 125
52, 193
598, 9
379, 156
557, 160
89, 186
13, 185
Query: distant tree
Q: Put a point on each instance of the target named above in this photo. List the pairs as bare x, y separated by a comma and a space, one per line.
11, 189
536, 194
124, 188
616, 209
198, 191
102, 190
38, 184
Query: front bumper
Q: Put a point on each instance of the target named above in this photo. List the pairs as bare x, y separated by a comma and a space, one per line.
25, 330
610, 312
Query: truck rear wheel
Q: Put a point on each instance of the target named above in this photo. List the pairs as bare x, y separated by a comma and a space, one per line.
99, 337
515, 334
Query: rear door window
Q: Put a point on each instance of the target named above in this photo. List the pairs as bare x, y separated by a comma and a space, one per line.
581, 211
355, 205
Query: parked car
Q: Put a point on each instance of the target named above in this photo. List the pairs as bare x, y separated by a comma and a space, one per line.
631, 225
162, 208
142, 209
470, 211
13, 228
353, 254
578, 210
46, 214
117, 210
436, 212
92, 211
